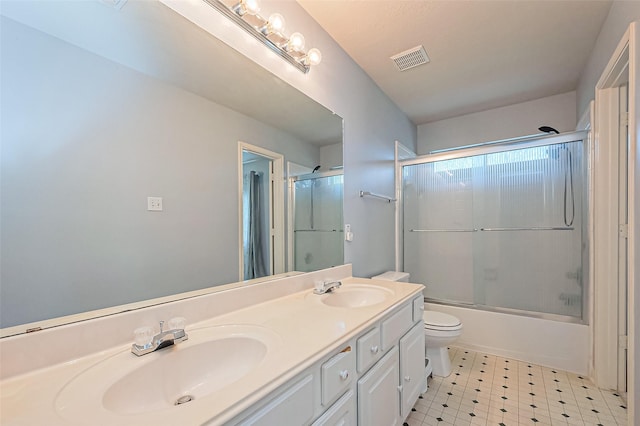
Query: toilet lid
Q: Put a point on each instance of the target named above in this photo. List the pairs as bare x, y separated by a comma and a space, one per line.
440, 321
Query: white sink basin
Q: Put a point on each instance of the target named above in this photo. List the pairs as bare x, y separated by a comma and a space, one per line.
212, 360
190, 373
355, 296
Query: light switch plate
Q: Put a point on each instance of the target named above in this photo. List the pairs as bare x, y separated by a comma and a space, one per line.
154, 204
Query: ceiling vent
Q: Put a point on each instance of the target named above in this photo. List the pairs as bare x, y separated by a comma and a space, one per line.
410, 58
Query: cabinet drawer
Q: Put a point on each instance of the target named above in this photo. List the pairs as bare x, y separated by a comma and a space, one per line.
343, 412
369, 351
396, 325
418, 309
337, 374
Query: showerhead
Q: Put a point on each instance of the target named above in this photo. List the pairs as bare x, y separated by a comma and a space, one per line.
548, 129
316, 169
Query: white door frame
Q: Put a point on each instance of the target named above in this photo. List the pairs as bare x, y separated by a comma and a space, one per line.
633, 344
276, 207
623, 65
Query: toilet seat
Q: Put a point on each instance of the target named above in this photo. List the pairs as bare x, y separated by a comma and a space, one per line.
439, 321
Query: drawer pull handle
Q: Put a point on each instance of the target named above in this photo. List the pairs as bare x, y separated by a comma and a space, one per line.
344, 374
374, 349
407, 378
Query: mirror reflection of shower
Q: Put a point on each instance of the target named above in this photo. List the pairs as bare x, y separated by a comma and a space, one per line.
316, 211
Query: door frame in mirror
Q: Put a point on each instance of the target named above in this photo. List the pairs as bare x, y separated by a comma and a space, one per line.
276, 207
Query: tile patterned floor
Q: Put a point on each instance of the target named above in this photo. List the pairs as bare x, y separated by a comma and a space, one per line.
492, 390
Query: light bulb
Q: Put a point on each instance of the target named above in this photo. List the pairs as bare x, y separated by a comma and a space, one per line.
296, 42
276, 23
314, 57
251, 6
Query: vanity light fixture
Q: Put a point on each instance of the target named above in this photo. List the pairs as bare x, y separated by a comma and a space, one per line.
270, 32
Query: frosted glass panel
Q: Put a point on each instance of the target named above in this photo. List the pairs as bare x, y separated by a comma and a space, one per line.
503, 229
318, 234
438, 225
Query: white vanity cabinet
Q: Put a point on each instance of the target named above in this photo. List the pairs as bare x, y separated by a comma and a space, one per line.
324, 392
374, 379
391, 388
388, 391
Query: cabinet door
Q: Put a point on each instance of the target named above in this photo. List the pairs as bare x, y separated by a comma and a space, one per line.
293, 407
411, 368
378, 393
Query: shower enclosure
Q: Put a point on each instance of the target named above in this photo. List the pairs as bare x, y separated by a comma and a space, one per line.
317, 221
501, 227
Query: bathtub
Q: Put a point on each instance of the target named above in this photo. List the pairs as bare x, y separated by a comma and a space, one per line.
549, 343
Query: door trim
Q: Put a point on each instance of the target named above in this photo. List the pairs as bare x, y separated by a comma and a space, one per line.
276, 206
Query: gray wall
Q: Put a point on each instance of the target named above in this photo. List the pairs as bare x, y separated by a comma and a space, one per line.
371, 125
621, 14
500, 123
85, 141
331, 156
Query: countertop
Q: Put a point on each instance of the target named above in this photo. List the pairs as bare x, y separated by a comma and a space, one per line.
302, 331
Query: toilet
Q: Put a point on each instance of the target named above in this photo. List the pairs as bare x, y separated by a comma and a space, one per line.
440, 330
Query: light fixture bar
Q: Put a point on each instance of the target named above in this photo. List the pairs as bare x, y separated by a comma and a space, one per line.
222, 8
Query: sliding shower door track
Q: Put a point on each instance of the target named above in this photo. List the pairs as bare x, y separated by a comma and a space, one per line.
510, 311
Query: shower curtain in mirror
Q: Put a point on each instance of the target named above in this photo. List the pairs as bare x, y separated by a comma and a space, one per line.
253, 227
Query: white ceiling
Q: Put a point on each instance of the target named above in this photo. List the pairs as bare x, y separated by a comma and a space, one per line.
484, 54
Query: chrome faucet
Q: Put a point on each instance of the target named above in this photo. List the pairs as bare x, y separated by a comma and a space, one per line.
160, 340
323, 287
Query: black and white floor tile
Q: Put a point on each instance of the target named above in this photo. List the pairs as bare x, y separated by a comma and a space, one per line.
491, 390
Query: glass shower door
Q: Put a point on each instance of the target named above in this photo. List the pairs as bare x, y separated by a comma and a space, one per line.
529, 244
501, 229
318, 235
439, 227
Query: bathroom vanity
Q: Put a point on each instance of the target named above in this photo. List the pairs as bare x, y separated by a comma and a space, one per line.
278, 354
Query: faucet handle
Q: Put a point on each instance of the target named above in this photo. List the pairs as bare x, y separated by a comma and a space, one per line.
143, 335
177, 323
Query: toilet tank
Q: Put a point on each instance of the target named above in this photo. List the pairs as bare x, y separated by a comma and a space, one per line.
393, 276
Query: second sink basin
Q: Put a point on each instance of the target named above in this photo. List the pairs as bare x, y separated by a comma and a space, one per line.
355, 296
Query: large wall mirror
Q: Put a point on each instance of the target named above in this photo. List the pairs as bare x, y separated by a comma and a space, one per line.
107, 112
